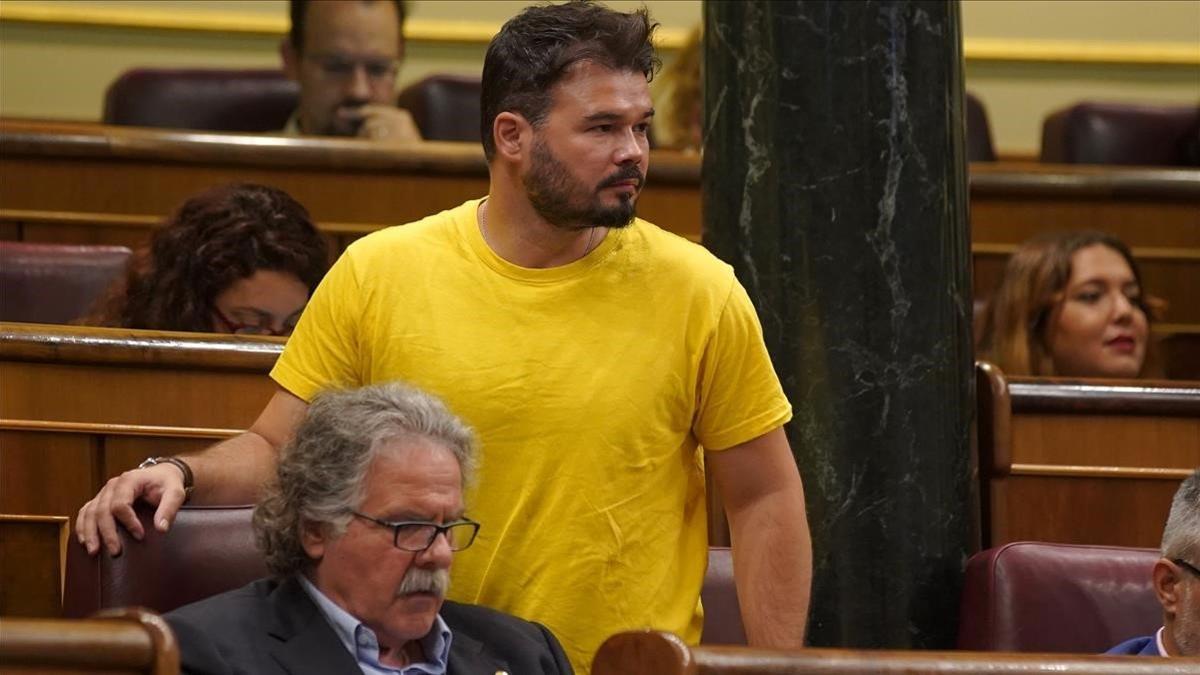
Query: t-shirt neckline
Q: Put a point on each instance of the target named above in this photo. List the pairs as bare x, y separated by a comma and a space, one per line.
469, 229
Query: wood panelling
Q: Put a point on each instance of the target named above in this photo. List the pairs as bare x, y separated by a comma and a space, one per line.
1087, 462
32, 556
140, 173
1080, 510
117, 376
53, 468
47, 473
1107, 440
80, 405
90, 168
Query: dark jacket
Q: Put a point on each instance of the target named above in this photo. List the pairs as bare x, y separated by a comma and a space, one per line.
274, 627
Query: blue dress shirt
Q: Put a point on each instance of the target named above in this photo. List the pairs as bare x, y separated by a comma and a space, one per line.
364, 646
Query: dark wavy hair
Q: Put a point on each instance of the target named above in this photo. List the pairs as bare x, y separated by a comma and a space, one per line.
216, 238
536, 48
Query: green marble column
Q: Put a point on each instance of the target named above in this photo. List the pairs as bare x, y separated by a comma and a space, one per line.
835, 184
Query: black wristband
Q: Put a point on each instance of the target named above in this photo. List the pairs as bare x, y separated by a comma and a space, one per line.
189, 479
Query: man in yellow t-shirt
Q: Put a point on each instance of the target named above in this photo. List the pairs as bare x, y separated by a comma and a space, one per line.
593, 353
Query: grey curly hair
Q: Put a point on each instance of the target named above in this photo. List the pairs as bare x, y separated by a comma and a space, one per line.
322, 471
1181, 536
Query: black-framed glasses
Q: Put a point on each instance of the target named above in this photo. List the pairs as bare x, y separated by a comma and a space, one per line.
238, 328
415, 536
1186, 565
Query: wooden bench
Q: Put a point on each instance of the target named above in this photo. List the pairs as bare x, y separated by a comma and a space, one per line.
120, 641
1084, 462
656, 653
83, 404
89, 183
58, 176
33, 552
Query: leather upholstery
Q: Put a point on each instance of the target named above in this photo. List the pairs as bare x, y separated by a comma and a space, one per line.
1116, 133
445, 107
979, 132
201, 98
55, 283
211, 549
1041, 597
722, 613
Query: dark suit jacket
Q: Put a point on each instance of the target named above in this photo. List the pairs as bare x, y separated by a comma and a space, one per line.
274, 627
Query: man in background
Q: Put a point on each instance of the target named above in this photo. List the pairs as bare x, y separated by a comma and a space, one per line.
345, 55
1176, 580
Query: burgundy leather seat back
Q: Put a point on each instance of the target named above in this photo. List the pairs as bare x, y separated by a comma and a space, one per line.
55, 283
722, 613
1041, 597
201, 98
1113, 133
209, 550
979, 132
445, 107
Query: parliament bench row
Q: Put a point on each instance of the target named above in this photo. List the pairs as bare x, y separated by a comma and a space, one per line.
1082, 462
142, 643
1013, 599
80, 183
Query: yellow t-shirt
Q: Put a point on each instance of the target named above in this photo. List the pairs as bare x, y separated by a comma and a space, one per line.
590, 386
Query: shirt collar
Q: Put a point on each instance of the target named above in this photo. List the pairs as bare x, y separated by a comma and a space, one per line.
362, 643
1162, 651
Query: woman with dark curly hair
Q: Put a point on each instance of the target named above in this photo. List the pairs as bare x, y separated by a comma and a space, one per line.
240, 259
1070, 304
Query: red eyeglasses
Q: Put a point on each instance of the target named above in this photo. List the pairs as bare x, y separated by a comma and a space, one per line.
265, 328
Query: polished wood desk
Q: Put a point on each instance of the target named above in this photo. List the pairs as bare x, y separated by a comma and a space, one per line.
80, 405
655, 653
1083, 461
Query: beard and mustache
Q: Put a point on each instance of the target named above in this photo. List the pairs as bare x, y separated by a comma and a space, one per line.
554, 193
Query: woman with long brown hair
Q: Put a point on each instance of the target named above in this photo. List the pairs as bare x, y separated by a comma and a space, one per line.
1070, 304
240, 258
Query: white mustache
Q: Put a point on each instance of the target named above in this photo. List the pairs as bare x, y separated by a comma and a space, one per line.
419, 580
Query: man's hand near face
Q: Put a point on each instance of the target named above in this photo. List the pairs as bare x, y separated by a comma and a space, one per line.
382, 123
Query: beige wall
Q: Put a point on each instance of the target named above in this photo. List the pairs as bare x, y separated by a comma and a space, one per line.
1019, 94
1025, 58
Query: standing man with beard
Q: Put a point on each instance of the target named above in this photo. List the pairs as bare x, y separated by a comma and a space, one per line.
345, 55
606, 364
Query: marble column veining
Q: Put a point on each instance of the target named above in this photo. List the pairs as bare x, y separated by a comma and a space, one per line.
835, 184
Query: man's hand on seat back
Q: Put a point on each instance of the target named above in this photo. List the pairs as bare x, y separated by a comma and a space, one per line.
97, 521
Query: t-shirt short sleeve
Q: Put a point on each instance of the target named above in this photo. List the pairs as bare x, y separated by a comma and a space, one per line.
740, 396
324, 351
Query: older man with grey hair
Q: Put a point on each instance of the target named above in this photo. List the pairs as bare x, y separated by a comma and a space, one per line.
1176, 579
358, 529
